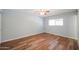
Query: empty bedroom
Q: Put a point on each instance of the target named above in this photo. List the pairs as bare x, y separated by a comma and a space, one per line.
39, 29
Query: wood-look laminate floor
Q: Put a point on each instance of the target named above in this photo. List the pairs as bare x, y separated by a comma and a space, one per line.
43, 41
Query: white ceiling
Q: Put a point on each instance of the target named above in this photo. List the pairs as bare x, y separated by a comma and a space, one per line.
51, 11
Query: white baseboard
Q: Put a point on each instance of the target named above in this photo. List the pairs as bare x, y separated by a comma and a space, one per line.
63, 35
36, 34
20, 37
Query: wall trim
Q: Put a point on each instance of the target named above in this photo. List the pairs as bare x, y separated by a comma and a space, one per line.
36, 34
62, 35
20, 37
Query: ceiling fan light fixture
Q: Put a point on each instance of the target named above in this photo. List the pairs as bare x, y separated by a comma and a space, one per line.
42, 12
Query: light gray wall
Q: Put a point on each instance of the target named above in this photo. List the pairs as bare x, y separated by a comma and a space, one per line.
20, 24
0, 26
78, 28
69, 27
78, 24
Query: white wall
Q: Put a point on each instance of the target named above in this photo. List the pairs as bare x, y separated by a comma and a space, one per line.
69, 27
20, 24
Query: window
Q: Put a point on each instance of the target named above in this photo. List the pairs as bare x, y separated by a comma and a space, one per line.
51, 22
55, 22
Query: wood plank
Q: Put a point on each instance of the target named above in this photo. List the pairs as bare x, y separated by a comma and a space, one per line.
42, 41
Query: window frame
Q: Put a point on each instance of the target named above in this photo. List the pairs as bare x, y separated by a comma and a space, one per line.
55, 22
